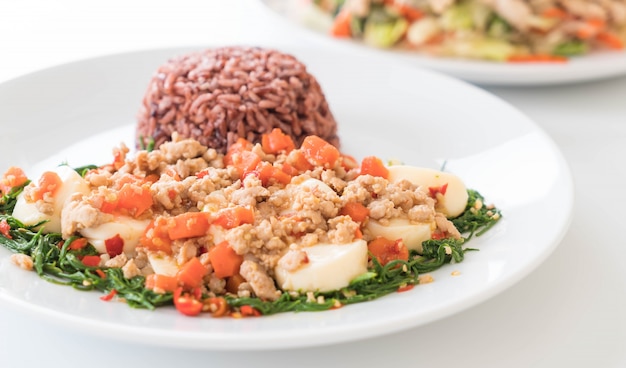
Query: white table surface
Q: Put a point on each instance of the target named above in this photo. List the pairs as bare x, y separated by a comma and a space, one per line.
570, 312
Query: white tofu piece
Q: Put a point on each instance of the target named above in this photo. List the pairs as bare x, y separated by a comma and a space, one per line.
412, 234
128, 228
330, 267
452, 203
28, 213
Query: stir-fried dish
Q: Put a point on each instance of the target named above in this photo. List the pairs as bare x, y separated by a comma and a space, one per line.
262, 229
497, 30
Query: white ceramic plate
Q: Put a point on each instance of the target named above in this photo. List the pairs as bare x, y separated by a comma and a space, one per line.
595, 66
77, 112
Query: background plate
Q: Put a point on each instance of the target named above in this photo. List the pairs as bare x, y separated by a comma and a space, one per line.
79, 111
598, 65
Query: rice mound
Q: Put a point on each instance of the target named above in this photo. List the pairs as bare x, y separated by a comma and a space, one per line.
218, 95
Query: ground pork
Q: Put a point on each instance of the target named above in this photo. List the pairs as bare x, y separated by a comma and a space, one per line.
79, 214
184, 176
262, 284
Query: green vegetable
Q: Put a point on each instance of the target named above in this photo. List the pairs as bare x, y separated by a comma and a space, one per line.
8, 200
571, 48
498, 27
56, 262
380, 281
357, 26
383, 29
384, 280
384, 34
332, 6
458, 17
62, 266
478, 217
481, 14
147, 147
83, 169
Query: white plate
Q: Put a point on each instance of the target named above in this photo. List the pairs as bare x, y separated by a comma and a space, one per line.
78, 112
594, 66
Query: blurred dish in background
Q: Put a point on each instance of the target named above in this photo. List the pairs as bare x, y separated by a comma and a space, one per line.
512, 42
496, 30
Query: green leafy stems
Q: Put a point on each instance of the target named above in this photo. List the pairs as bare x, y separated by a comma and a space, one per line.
55, 261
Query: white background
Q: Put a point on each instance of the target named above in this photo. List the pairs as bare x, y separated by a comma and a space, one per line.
569, 313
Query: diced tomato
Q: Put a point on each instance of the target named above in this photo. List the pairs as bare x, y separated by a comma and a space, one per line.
135, 199
13, 177
202, 173
109, 204
233, 282
440, 189
156, 237
357, 211
91, 261
119, 156
610, 40
245, 162
319, 152
276, 142
186, 303
289, 169
269, 174
109, 296
225, 260
348, 162
438, 235
232, 217
161, 283
5, 228
341, 24
297, 159
372, 165
49, 183
402, 289
239, 146
78, 244
191, 273
590, 28
114, 245
358, 234
386, 250
188, 225
249, 311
